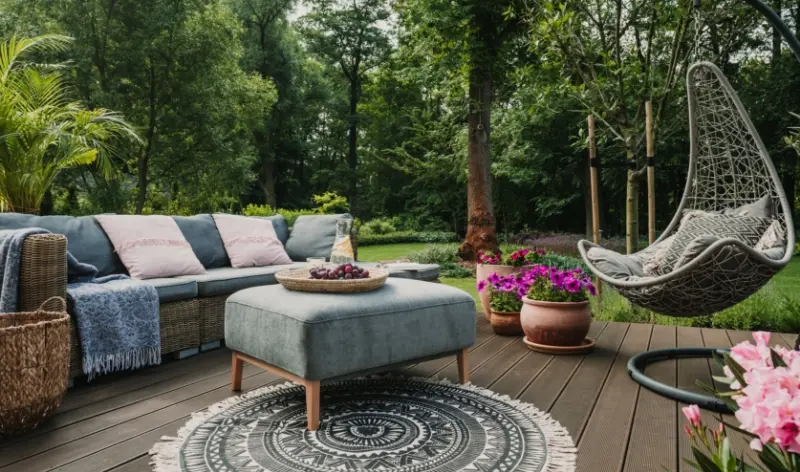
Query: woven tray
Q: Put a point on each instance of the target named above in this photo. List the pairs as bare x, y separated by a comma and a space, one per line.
298, 280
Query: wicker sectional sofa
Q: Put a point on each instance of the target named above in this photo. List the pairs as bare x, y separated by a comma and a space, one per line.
191, 309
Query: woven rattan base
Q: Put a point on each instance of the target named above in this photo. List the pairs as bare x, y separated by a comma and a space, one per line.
212, 318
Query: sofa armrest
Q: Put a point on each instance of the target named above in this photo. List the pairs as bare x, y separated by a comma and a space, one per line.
43, 270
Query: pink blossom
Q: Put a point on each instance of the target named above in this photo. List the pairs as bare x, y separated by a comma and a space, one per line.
761, 338
692, 413
756, 445
769, 404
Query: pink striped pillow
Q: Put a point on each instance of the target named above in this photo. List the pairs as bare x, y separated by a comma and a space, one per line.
150, 246
250, 242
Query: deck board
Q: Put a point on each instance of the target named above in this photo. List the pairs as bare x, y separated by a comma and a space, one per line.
603, 446
110, 425
655, 414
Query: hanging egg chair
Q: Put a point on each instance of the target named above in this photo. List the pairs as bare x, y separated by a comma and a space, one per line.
729, 168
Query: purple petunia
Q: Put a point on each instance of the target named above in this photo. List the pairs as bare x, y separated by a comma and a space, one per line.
482, 285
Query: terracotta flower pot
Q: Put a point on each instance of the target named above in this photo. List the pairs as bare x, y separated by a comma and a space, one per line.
506, 323
555, 323
482, 272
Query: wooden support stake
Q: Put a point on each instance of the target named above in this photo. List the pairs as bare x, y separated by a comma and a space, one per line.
651, 174
594, 164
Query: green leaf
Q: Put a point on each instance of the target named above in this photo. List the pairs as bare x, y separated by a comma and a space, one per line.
705, 464
777, 360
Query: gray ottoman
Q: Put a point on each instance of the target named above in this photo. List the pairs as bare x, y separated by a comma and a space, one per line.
310, 337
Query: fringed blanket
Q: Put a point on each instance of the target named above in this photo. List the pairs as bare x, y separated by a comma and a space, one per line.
116, 316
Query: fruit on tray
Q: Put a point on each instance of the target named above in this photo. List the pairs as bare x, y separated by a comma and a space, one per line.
343, 272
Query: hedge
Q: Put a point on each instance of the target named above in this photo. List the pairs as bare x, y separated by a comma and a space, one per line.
407, 237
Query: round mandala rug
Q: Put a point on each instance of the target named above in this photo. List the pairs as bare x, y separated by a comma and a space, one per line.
386, 424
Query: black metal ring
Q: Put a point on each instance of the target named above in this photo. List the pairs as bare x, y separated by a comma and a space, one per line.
639, 362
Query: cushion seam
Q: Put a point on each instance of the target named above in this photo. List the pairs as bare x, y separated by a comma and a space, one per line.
264, 310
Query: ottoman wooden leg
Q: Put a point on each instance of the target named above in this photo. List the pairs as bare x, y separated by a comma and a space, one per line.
312, 404
236, 372
463, 366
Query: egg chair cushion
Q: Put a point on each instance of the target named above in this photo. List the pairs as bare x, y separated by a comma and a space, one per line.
773, 237
747, 229
761, 208
614, 264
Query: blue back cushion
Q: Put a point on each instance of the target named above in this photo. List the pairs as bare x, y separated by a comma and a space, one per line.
313, 236
86, 239
280, 225
202, 234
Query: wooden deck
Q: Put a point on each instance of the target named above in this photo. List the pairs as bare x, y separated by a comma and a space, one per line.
110, 424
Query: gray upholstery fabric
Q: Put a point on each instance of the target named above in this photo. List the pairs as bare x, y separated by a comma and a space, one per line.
615, 264
747, 229
201, 232
86, 239
321, 336
173, 289
227, 280
427, 272
312, 236
695, 248
280, 225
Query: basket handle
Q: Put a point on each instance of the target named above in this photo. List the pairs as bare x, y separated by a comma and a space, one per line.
62, 304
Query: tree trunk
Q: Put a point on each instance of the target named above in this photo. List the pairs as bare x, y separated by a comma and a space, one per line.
631, 204
776, 36
143, 163
481, 230
352, 138
269, 181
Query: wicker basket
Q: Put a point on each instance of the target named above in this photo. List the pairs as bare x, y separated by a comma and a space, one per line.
299, 281
34, 366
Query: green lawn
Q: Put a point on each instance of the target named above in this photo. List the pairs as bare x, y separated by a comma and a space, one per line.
788, 280
388, 251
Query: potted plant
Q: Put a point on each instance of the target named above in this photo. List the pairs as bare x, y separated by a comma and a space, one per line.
555, 310
495, 262
505, 301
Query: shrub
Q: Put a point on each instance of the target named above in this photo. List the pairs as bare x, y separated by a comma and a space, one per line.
331, 203
435, 254
406, 237
565, 243
376, 226
454, 271
266, 210
258, 210
563, 262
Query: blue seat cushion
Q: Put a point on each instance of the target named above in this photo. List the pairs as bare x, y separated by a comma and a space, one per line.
227, 280
201, 233
86, 240
172, 289
313, 236
321, 336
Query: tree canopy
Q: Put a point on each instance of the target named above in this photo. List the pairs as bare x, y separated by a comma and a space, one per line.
448, 115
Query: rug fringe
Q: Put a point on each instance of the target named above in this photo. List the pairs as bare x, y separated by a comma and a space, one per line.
561, 451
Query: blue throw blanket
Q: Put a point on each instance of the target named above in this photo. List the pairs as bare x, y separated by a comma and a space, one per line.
116, 316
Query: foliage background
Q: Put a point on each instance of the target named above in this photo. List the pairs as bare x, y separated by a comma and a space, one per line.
247, 102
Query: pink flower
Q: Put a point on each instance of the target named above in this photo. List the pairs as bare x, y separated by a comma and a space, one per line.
786, 434
761, 337
692, 413
481, 285
756, 445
